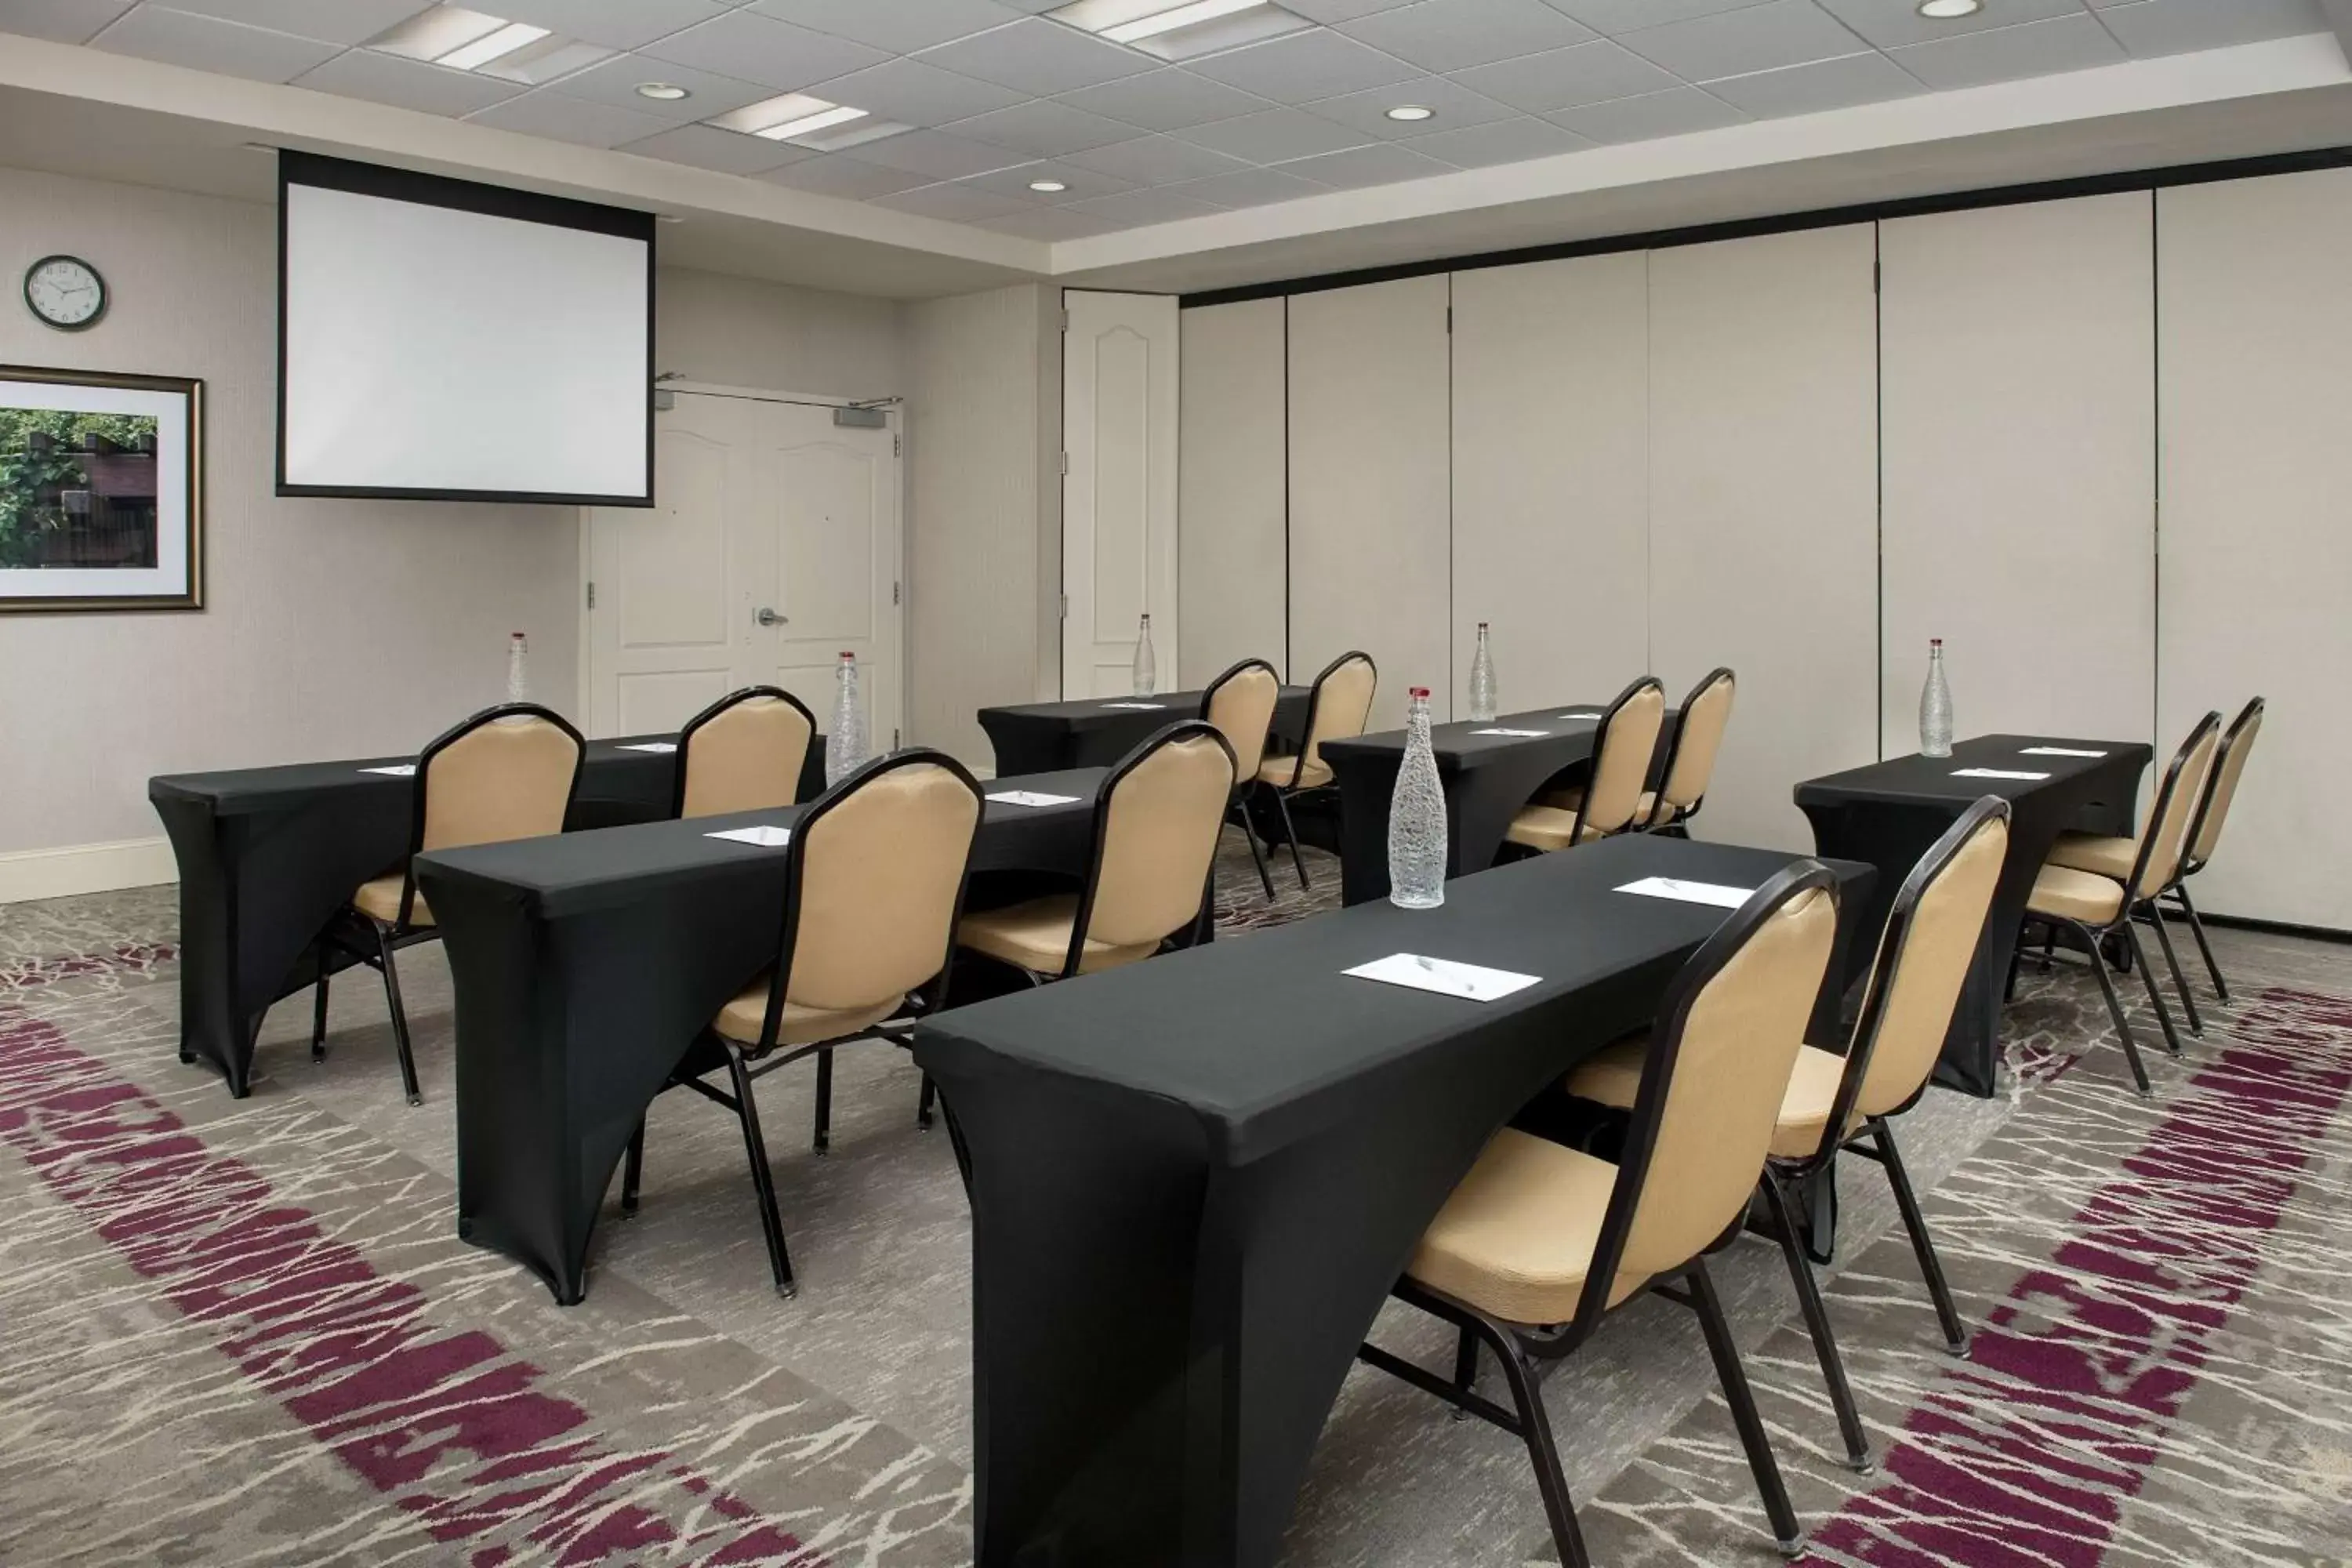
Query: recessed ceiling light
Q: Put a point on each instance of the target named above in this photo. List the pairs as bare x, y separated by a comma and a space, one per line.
1048, 186
1949, 10
662, 92
1412, 111
1179, 29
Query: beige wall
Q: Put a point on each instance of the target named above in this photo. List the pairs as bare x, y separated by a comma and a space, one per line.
1232, 469
740, 331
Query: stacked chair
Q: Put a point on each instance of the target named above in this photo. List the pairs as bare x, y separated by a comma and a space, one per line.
743, 752
1615, 801
1241, 704
1338, 707
1690, 761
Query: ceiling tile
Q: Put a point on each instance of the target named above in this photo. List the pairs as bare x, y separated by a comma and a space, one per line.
708, 147
1383, 163
1165, 99
2152, 28
575, 120
847, 177
1562, 79
1821, 85
957, 203
1274, 136
2006, 54
616, 23
1043, 129
762, 49
615, 80
1888, 23
1754, 38
1614, 16
1135, 208
937, 155
901, 26
1677, 113
1038, 56
330, 21
1330, 12
1451, 35
208, 44
1155, 161
1456, 106
406, 84
1249, 188
1081, 184
59, 21
1301, 66
918, 94
1051, 224
1503, 142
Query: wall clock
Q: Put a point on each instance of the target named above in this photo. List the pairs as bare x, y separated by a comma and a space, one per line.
65, 293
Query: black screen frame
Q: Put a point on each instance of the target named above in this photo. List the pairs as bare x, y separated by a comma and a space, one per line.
320, 172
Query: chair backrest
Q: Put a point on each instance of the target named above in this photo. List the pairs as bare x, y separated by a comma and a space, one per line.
1622, 749
1715, 1071
1156, 826
1241, 704
874, 878
2161, 848
507, 772
743, 752
1698, 736
2228, 766
1923, 955
1340, 702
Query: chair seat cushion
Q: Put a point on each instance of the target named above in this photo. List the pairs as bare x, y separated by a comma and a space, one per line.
1612, 1074
1547, 827
2092, 852
2076, 895
1567, 799
380, 900
740, 1019
1276, 771
1036, 936
1516, 1239
1612, 1077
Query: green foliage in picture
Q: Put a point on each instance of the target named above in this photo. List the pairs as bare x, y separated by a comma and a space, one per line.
41, 452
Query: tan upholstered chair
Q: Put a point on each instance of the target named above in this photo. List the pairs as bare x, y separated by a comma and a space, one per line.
1540, 1242
874, 878
1338, 707
743, 752
1623, 746
1690, 757
1156, 825
1838, 1104
508, 772
2097, 907
1241, 704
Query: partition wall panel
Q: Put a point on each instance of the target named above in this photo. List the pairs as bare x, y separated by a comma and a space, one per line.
1231, 573
1551, 480
2018, 423
1763, 508
2255, 596
1369, 501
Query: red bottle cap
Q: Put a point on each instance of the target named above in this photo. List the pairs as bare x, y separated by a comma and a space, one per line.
1417, 690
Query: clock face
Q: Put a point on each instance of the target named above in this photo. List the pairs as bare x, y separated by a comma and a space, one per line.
65, 292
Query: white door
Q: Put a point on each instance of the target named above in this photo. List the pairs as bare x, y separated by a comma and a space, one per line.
774, 548
1119, 498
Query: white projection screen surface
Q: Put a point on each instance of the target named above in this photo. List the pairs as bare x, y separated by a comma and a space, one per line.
445, 340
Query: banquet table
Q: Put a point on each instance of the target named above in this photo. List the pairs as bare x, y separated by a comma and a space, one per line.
267, 856
1890, 813
584, 966
1193, 1181
1096, 731
1488, 777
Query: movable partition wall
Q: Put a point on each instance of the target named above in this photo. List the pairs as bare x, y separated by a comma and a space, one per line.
1804, 453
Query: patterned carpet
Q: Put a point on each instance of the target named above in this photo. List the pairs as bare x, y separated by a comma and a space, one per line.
245, 1332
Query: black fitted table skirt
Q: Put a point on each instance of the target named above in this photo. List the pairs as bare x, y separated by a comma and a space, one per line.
584, 966
1043, 737
1193, 1181
267, 856
1486, 780
1890, 813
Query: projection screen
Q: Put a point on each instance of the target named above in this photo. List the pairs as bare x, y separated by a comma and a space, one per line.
440, 340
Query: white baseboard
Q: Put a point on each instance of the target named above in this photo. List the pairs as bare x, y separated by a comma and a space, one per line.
73, 868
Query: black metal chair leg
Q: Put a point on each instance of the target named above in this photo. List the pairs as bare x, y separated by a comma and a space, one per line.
1543, 1454
824, 1142
763, 1181
1817, 1322
2009, 986
2172, 964
2147, 978
2049, 944
633, 1169
1290, 833
923, 1106
2115, 1010
318, 1007
1786, 1534
399, 1015
1466, 1368
2197, 930
1923, 1245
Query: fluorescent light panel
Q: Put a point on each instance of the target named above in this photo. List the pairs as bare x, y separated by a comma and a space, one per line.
469, 40
497, 45
1189, 16
1179, 29
793, 115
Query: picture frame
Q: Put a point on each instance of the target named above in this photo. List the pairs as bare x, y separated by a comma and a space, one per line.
101, 491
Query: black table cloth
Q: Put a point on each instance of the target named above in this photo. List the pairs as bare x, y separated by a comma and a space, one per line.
1193, 1181
585, 964
1042, 737
1486, 780
1890, 813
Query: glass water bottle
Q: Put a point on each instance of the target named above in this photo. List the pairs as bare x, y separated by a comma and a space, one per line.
518, 670
1417, 818
1936, 706
844, 743
1147, 664
1482, 680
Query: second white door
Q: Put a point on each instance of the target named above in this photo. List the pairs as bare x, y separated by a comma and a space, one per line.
1119, 498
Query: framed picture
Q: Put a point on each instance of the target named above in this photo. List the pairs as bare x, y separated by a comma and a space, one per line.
101, 491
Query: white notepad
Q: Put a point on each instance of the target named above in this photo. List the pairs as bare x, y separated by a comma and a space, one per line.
2057, 752
1467, 980
1154, 707
765, 837
1993, 773
663, 746
397, 771
1675, 888
1522, 734
1583, 714
1034, 797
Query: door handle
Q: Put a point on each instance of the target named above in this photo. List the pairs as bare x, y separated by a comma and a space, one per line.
768, 617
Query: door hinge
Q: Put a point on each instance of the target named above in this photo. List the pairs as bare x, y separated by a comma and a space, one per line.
1065, 606
1066, 319
1066, 465
895, 449
1877, 276
1449, 320
893, 592
591, 596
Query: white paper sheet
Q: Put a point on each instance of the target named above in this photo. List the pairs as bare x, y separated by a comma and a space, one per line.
1993, 773
765, 837
1675, 888
397, 771
663, 747
1583, 714
2057, 752
1154, 706
1522, 734
1467, 980
1034, 797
